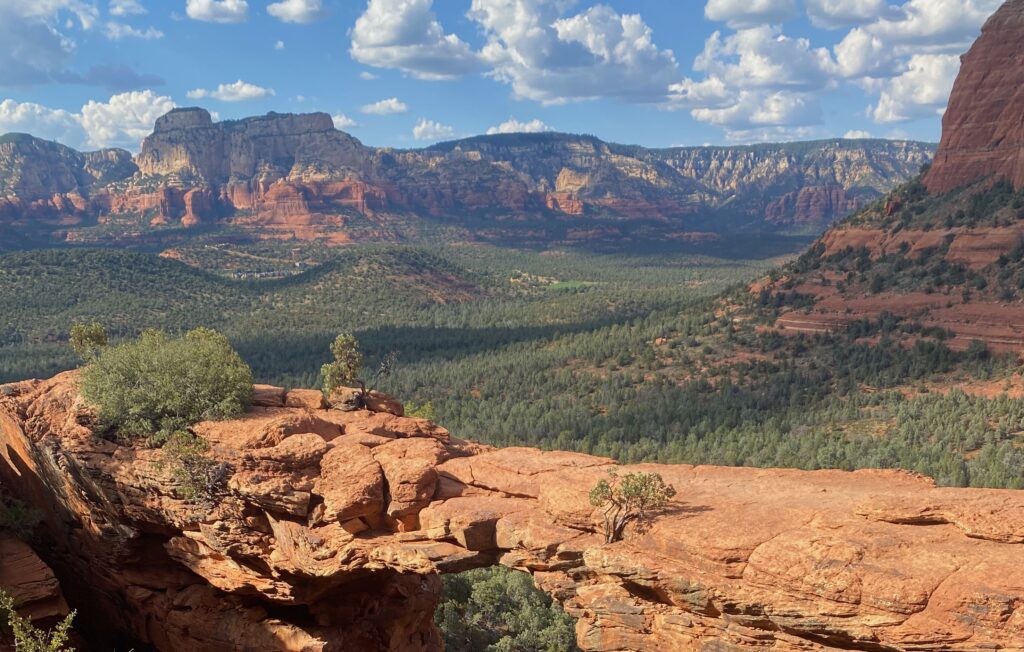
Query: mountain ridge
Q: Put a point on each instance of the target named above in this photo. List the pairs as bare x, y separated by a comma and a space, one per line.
295, 175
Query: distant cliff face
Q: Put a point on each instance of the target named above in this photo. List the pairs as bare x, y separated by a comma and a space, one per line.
801, 183
32, 169
982, 129
186, 142
296, 174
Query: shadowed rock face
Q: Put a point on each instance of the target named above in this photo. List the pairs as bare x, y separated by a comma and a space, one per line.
32, 584
336, 525
982, 130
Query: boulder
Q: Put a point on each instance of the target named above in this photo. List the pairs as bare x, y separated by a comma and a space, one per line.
351, 398
312, 399
351, 483
268, 396
409, 467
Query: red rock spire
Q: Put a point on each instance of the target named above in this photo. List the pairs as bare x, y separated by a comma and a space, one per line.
983, 128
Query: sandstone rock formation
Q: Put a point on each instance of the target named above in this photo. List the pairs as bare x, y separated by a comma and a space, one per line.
336, 524
284, 175
45, 183
32, 584
982, 133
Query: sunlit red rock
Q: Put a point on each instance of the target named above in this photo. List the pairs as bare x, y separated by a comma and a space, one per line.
982, 131
330, 538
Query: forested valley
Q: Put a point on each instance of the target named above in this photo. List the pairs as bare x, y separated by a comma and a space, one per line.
638, 356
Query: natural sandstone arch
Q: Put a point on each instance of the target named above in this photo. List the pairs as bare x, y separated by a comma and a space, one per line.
339, 523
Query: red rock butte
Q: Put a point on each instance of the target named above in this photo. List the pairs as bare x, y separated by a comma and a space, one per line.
336, 526
983, 127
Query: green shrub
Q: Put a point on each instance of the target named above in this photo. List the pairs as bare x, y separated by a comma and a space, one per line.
500, 610
29, 638
424, 411
632, 497
159, 384
18, 518
87, 340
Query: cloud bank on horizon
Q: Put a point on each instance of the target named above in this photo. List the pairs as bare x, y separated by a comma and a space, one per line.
97, 73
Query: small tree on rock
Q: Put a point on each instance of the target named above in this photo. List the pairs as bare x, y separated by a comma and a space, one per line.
347, 365
88, 339
632, 497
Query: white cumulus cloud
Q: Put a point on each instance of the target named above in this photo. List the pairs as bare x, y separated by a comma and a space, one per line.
513, 126
749, 13
757, 82
342, 121
764, 57
551, 58
296, 11
406, 35
431, 130
389, 106
920, 91
855, 134
218, 11
41, 121
125, 119
835, 14
753, 110
909, 54
122, 121
238, 91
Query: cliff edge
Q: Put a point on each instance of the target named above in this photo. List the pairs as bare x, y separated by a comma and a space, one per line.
336, 526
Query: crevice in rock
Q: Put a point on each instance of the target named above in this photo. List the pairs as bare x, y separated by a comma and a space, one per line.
646, 593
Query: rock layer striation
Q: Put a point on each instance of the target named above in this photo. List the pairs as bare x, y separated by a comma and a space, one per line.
285, 175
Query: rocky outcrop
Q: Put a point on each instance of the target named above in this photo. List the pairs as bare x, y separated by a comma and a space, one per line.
982, 133
45, 184
976, 230
335, 526
188, 144
797, 183
811, 205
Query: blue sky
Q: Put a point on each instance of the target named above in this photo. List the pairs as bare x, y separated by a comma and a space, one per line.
405, 73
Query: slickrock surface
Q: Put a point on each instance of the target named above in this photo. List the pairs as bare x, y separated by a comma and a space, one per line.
982, 133
336, 525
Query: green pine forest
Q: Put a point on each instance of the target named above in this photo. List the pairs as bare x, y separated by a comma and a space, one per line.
641, 356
